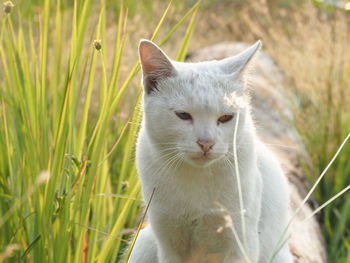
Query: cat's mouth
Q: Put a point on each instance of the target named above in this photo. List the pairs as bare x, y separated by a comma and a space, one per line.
203, 159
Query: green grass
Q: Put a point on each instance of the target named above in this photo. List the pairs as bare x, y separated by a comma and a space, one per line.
68, 184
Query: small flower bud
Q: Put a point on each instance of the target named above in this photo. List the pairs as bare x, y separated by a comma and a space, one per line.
8, 5
97, 44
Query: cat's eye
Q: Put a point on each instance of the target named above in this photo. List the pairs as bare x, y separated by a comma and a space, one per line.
225, 118
183, 115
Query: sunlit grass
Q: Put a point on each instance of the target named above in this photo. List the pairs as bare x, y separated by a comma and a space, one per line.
60, 200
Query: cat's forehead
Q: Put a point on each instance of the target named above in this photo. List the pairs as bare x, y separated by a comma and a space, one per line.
205, 77
199, 86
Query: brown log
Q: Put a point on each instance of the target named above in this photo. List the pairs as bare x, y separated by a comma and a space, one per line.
273, 115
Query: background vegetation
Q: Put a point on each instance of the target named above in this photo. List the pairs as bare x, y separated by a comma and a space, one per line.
69, 85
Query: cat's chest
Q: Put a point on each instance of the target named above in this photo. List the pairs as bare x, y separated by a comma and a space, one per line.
209, 235
196, 194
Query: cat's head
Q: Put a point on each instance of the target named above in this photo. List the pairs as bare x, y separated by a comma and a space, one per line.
190, 109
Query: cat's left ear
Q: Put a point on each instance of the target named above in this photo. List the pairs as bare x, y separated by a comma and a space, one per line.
155, 65
239, 64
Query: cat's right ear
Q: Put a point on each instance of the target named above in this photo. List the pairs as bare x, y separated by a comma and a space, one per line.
239, 65
155, 65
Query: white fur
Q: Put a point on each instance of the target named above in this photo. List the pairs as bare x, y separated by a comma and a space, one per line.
195, 209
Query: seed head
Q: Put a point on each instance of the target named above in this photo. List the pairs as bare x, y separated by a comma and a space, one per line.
43, 177
97, 44
8, 5
125, 185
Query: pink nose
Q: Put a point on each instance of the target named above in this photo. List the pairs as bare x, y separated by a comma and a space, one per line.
206, 145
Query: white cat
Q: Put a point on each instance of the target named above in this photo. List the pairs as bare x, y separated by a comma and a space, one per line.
185, 151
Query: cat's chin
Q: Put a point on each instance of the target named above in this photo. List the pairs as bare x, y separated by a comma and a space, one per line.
202, 161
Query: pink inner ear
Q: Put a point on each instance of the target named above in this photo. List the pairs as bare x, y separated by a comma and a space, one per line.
150, 67
153, 60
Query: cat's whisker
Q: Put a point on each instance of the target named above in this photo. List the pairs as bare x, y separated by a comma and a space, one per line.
163, 156
180, 160
174, 149
174, 162
165, 160
230, 154
166, 164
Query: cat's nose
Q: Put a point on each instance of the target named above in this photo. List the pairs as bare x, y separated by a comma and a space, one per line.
206, 145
